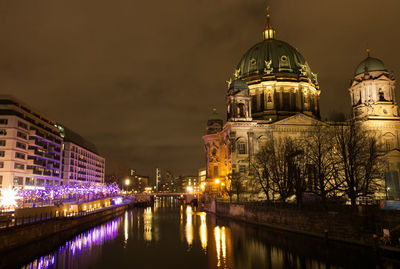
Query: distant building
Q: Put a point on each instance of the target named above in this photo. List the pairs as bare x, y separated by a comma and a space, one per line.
190, 184
30, 147
202, 178
82, 163
202, 174
139, 183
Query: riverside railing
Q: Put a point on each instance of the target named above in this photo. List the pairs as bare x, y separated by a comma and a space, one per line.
8, 221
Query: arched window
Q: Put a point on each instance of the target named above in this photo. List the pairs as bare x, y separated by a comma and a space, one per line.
241, 148
241, 110
381, 95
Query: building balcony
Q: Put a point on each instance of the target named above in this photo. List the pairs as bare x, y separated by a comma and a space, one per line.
34, 171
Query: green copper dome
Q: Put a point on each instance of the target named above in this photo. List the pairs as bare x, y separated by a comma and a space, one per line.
370, 64
238, 84
273, 56
215, 116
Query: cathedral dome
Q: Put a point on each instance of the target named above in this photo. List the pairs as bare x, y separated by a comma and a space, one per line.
370, 64
273, 56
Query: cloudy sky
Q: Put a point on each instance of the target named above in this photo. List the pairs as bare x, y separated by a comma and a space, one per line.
139, 78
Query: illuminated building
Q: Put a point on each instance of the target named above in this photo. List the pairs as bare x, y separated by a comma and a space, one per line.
139, 183
374, 105
274, 91
30, 147
82, 163
190, 184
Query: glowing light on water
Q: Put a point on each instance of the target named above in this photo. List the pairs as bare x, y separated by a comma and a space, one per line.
220, 244
148, 224
126, 228
189, 227
203, 231
77, 246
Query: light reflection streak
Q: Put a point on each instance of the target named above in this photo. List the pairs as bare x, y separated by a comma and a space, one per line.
94, 237
189, 226
126, 229
203, 230
220, 245
148, 224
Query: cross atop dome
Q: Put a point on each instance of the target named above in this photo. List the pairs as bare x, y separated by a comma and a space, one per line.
269, 32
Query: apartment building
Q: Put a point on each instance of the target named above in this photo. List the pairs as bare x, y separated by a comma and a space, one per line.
82, 164
30, 147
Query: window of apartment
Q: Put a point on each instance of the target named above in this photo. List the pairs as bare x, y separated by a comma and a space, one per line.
20, 155
22, 135
49, 183
2, 153
242, 148
18, 181
21, 145
1, 164
22, 125
40, 182
19, 166
30, 181
3, 121
2, 143
242, 168
3, 132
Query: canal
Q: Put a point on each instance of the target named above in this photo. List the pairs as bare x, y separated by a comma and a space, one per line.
170, 235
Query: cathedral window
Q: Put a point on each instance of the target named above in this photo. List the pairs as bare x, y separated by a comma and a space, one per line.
254, 103
216, 171
241, 110
242, 169
388, 145
269, 99
242, 148
381, 95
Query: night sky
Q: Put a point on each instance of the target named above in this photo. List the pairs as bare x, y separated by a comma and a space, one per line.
139, 78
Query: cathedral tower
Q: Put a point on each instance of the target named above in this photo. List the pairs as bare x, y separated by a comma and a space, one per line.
372, 91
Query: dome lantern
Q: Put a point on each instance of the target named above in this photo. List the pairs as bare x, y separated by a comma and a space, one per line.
269, 32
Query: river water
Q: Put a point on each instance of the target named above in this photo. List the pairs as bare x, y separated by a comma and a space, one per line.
170, 235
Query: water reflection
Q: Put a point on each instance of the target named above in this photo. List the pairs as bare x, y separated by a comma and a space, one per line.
189, 226
203, 230
80, 244
148, 224
171, 235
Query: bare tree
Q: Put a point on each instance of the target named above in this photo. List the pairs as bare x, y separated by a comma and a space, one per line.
297, 169
321, 161
360, 165
278, 166
260, 166
236, 185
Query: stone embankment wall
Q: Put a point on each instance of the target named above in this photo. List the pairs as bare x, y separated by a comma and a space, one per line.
21, 235
343, 225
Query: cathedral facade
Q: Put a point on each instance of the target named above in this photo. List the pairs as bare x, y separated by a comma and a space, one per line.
274, 91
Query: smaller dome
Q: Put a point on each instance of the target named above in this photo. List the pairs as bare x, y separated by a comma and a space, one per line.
215, 116
370, 64
238, 84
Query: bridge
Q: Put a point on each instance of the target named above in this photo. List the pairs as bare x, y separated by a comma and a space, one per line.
188, 197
